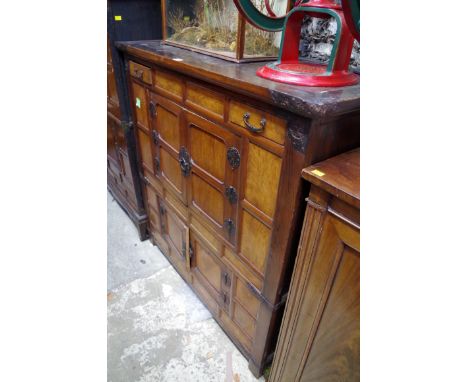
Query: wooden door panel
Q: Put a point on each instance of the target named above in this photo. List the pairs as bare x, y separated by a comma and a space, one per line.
262, 179
168, 138
121, 140
337, 340
126, 171
246, 298
254, 242
207, 199
168, 127
146, 152
244, 320
170, 170
176, 235
211, 175
154, 220
207, 268
140, 105
208, 152
327, 311
111, 144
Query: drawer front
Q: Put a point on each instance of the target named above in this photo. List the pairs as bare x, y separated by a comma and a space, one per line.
141, 72
205, 101
258, 122
169, 85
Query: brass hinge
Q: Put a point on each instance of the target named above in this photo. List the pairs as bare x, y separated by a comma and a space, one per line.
152, 109
229, 226
157, 164
185, 161
226, 279
226, 299
144, 178
126, 125
231, 194
155, 136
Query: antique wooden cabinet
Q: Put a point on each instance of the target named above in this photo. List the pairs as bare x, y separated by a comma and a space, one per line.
126, 20
221, 153
319, 338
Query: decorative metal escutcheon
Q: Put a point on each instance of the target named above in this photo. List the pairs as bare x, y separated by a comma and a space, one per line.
233, 157
251, 127
184, 161
229, 226
231, 194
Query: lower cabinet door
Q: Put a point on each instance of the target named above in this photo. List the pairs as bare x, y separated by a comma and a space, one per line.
112, 156
210, 273
177, 236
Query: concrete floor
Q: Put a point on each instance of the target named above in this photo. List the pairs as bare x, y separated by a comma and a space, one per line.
157, 328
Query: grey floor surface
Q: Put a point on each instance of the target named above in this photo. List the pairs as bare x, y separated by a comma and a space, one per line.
157, 328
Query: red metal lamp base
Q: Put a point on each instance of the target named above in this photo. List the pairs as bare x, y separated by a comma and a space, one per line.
306, 74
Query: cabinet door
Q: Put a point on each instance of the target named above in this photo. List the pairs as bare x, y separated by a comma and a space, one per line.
210, 273
167, 134
319, 339
213, 180
112, 151
112, 96
177, 236
140, 106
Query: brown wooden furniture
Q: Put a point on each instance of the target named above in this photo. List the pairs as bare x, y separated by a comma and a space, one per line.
221, 155
319, 337
119, 172
126, 20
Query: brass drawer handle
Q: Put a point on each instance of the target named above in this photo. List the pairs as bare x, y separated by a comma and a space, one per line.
252, 128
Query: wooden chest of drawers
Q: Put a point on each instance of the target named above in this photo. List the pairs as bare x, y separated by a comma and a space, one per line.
129, 20
221, 163
319, 338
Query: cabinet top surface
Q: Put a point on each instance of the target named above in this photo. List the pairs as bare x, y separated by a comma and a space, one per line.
241, 78
340, 176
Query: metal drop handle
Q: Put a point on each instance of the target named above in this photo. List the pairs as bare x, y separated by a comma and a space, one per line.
252, 128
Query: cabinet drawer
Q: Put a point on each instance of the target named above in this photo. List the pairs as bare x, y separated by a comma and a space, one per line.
205, 101
141, 72
258, 122
168, 85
